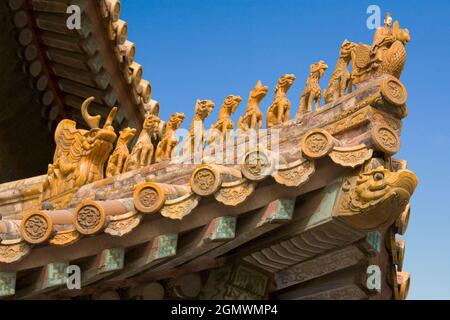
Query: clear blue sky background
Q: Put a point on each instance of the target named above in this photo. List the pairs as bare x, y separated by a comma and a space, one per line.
208, 49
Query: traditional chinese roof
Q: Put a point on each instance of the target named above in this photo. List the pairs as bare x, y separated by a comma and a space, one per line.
168, 217
55, 68
306, 222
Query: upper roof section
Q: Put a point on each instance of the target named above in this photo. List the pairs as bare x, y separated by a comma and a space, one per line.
74, 49
50, 65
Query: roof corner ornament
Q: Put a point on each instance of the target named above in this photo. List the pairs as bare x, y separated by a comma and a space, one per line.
375, 198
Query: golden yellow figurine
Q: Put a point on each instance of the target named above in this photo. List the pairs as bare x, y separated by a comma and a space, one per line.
280, 109
252, 118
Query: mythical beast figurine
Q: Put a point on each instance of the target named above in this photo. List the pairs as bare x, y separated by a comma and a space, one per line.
279, 111
117, 160
80, 155
203, 109
224, 123
169, 140
387, 55
312, 91
252, 118
143, 151
340, 79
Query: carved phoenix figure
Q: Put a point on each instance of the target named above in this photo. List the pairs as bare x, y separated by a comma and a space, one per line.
80, 154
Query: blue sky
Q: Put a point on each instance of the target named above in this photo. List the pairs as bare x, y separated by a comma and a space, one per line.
212, 48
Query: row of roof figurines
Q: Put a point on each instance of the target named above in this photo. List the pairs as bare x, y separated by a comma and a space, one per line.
80, 155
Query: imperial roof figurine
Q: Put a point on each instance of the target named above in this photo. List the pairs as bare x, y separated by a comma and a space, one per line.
305, 220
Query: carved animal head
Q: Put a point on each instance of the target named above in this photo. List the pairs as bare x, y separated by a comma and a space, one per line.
285, 82
377, 197
127, 134
346, 49
401, 34
231, 102
318, 68
151, 122
106, 133
203, 108
259, 91
175, 120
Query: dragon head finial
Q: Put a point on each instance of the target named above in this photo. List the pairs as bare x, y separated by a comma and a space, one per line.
376, 198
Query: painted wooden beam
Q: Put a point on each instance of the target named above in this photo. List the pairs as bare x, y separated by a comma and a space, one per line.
236, 281
200, 265
106, 263
268, 218
372, 242
346, 292
264, 220
219, 230
337, 260
160, 248
51, 277
147, 230
312, 232
7, 284
340, 285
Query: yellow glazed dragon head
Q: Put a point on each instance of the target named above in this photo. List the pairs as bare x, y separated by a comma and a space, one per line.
376, 198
